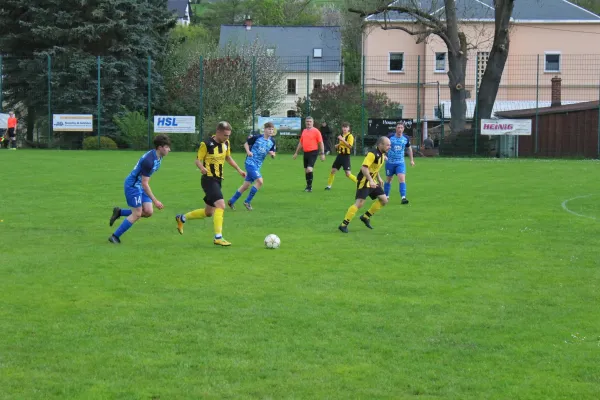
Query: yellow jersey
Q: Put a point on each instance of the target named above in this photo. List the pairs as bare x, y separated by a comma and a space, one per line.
342, 148
213, 154
373, 161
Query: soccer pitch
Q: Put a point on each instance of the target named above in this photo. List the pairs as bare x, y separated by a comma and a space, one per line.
484, 287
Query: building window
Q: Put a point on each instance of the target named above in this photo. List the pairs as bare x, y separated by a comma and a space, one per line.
317, 84
482, 61
552, 62
291, 86
398, 111
271, 51
440, 62
318, 53
396, 62
291, 113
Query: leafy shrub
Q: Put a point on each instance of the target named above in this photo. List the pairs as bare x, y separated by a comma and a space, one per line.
106, 143
184, 141
134, 129
286, 144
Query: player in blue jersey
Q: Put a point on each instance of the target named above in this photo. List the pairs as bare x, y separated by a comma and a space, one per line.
257, 148
395, 161
138, 194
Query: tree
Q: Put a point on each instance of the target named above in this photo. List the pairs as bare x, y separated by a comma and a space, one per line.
427, 22
229, 77
68, 36
338, 103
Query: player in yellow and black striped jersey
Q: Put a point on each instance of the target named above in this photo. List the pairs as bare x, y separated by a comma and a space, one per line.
212, 154
342, 161
366, 186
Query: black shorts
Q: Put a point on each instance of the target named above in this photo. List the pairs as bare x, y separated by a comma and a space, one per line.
373, 193
342, 161
11, 133
212, 189
310, 157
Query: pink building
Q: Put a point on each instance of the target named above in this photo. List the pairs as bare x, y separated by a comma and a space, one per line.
549, 38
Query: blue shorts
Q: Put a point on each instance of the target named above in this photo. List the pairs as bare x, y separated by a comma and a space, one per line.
252, 174
394, 169
136, 196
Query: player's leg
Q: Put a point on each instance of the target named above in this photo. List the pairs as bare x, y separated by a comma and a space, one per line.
348, 168
134, 200
361, 195
118, 213
334, 171
147, 209
309, 162
390, 170
247, 182
401, 174
199, 213
257, 185
381, 200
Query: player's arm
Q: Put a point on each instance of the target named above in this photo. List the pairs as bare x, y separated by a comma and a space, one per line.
146, 171
321, 146
202, 151
248, 151
298, 147
367, 162
232, 162
379, 179
410, 154
272, 151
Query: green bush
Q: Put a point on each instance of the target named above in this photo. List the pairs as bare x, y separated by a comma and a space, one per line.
134, 129
106, 143
184, 141
286, 144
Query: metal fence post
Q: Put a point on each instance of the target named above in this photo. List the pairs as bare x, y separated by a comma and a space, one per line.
537, 105
418, 101
440, 116
201, 116
253, 94
362, 108
49, 100
475, 110
307, 86
98, 62
1, 82
149, 99
598, 149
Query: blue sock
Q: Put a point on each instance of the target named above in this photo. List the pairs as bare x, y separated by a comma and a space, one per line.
123, 228
253, 191
125, 212
387, 186
403, 189
235, 197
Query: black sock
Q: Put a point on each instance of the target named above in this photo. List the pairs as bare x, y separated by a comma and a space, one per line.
309, 179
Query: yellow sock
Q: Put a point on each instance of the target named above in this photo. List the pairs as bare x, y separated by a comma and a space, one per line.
376, 206
352, 178
196, 214
218, 221
350, 214
330, 179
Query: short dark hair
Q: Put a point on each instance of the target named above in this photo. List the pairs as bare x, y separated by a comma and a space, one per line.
269, 125
346, 124
223, 126
400, 123
161, 140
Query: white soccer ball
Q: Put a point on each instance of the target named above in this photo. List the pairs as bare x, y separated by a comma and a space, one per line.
272, 241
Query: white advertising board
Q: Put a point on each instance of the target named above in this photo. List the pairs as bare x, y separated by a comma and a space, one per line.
174, 124
506, 127
72, 122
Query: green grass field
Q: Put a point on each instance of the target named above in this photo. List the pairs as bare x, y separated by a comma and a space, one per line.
484, 287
